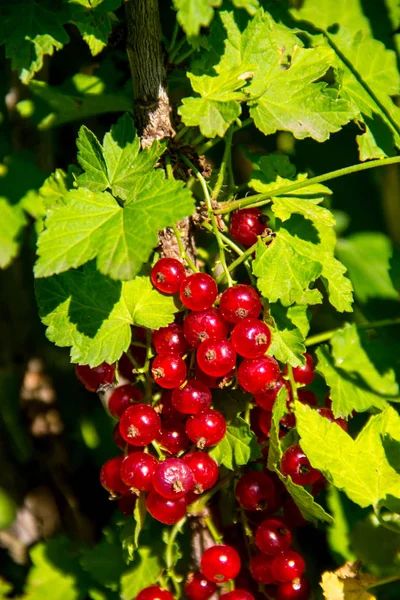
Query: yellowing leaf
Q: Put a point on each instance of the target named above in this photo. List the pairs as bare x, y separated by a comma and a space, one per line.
347, 583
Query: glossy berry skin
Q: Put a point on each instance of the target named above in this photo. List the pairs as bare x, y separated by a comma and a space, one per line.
154, 593
296, 464
198, 291
166, 511
170, 340
122, 397
240, 302
173, 478
165, 407
137, 470
273, 536
216, 357
169, 370
299, 589
206, 429
173, 437
197, 587
192, 399
267, 399
96, 377
255, 491
204, 325
307, 397
140, 425
251, 338
167, 275
110, 477
260, 569
204, 469
304, 375
257, 375
118, 439
215, 383
237, 595
246, 224
288, 566
328, 414
220, 563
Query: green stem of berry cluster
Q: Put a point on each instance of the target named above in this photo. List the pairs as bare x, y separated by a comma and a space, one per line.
226, 158
324, 336
293, 383
215, 534
211, 143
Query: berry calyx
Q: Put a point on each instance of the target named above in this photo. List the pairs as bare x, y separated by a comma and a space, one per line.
298, 589
192, 399
154, 593
173, 478
110, 477
169, 370
140, 425
122, 397
170, 340
273, 536
137, 470
237, 595
173, 437
251, 338
246, 224
255, 491
198, 291
304, 374
204, 469
240, 302
95, 378
296, 464
166, 511
216, 357
288, 566
206, 429
167, 275
257, 375
220, 563
197, 587
260, 569
204, 325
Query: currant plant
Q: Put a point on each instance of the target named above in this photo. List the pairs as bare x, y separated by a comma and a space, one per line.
232, 321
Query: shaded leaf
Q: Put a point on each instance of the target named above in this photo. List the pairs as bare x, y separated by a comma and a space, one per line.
238, 447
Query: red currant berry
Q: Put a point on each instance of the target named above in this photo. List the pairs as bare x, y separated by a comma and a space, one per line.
216, 357
173, 478
206, 429
240, 302
220, 563
298, 589
287, 423
170, 340
255, 491
140, 425
246, 224
251, 338
164, 510
260, 569
307, 397
173, 437
296, 464
137, 471
191, 399
292, 514
126, 505
198, 587
267, 399
122, 397
110, 477
198, 291
154, 592
118, 439
328, 414
204, 325
204, 469
165, 407
96, 377
167, 275
304, 375
216, 383
126, 367
288, 566
273, 536
169, 370
257, 375
237, 595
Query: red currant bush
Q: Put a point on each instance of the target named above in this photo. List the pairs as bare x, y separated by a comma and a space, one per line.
137, 471
220, 563
167, 275
170, 340
173, 478
216, 357
191, 399
169, 370
240, 302
154, 593
296, 464
246, 224
164, 510
257, 375
204, 325
255, 491
197, 587
122, 397
206, 429
273, 536
140, 425
198, 291
94, 378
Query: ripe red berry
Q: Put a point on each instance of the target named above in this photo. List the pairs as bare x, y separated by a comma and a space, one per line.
140, 425
204, 325
169, 370
165, 407
170, 340
267, 399
137, 470
307, 397
118, 439
288, 566
246, 224
173, 437
197, 587
126, 505
191, 399
220, 563
257, 375
328, 414
198, 291
305, 374
240, 302
255, 491
273, 536
298, 589
110, 477
216, 357
154, 592
122, 397
215, 383
206, 429
167, 275
296, 464
204, 469
97, 377
237, 595
164, 510
251, 338
173, 478
260, 569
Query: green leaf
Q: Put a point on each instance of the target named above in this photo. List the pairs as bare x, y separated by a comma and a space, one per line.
143, 573
249, 5
55, 188
94, 20
104, 561
194, 14
289, 326
12, 221
5, 588
131, 528
93, 314
238, 447
376, 546
358, 467
92, 161
339, 531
